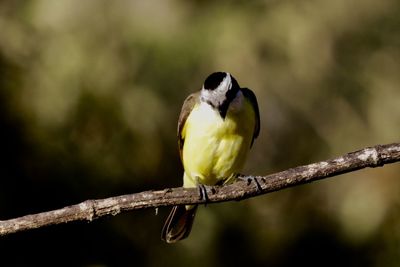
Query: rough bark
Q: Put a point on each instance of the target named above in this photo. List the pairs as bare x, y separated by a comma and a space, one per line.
244, 188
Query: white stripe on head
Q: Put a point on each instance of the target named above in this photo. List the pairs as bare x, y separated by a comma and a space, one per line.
225, 85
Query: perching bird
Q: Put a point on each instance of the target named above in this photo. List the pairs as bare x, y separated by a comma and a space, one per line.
216, 128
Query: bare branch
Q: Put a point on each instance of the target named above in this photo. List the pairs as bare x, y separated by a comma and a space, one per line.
93, 209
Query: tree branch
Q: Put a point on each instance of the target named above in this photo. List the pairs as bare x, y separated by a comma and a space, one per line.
244, 188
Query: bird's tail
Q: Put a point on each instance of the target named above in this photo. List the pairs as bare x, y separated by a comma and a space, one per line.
179, 223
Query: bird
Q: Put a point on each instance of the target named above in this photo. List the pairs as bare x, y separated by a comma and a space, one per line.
217, 127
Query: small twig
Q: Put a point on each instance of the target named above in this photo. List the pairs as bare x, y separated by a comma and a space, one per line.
93, 209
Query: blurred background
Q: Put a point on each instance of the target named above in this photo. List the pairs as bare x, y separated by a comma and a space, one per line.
90, 93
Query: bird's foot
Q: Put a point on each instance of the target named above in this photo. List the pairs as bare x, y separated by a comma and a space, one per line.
250, 179
203, 194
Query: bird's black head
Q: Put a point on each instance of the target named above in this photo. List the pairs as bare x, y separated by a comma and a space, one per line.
214, 80
219, 89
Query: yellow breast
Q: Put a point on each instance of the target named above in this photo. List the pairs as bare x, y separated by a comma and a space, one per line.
215, 149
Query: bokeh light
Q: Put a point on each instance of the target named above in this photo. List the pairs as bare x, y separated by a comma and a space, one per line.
90, 93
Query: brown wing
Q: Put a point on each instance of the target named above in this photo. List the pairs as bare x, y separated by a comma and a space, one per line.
187, 107
253, 100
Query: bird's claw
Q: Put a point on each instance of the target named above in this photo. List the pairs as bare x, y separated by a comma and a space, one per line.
203, 195
250, 179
